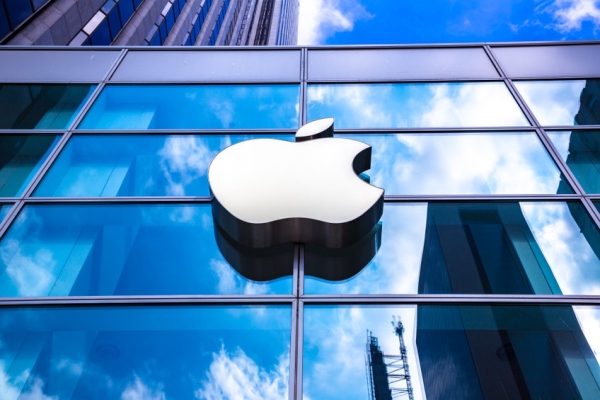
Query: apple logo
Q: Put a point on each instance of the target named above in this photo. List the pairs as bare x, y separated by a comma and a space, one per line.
269, 192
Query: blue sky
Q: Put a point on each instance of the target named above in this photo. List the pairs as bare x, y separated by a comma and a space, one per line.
446, 21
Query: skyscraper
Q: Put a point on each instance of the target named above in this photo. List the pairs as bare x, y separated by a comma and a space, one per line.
149, 22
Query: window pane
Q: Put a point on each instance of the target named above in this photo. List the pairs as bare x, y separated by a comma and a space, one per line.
40, 106
573, 102
452, 352
136, 165
461, 163
20, 159
145, 352
122, 249
415, 105
476, 248
4, 210
581, 151
195, 107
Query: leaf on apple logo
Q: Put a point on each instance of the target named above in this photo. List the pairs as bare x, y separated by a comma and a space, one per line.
319, 128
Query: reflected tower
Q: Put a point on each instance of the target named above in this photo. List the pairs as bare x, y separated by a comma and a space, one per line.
480, 352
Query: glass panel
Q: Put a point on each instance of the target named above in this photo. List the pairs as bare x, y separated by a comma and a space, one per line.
195, 107
476, 248
574, 102
40, 106
581, 151
461, 163
122, 249
404, 105
4, 210
549, 61
136, 165
59, 65
451, 352
145, 352
398, 64
20, 159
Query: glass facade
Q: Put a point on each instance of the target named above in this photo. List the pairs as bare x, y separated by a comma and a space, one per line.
482, 276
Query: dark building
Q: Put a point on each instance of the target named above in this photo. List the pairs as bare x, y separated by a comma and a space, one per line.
149, 22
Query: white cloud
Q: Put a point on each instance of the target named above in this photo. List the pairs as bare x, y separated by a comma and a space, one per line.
237, 376
320, 19
570, 14
183, 160
230, 282
137, 390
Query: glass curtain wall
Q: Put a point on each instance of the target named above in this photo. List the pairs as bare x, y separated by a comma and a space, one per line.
481, 278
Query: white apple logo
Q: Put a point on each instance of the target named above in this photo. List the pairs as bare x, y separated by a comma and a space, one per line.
268, 191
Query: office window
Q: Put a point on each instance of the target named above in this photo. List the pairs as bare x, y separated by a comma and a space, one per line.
21, 156
136, 165
194, 107
581, 151
407, 105
149, 352
475, 248
563, 102
461, 163
548, 352
4, 210
122, 249
40, 106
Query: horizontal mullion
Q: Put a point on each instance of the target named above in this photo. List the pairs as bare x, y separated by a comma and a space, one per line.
145, 300
124, 199
467, 198
453, 299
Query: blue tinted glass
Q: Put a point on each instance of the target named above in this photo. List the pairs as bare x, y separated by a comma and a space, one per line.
146, 352
4, 209
194, 107
451, 352
4, 27
40, 106
415, 105
461, 163
18, 11
20, 159
126, 8
581, 151
135, 165
114, 22
101, 36
566, 102
478, 248
38, 3
61, 250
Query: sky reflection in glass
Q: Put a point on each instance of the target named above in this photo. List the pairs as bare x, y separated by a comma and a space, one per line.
21, 156
455, 351
4, 209
417, 105
119, 249
581, 151
136, 165
557, 102
503, 248
461, 163
145, 352
194, 107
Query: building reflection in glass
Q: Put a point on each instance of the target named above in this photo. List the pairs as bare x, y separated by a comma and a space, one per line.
479, 352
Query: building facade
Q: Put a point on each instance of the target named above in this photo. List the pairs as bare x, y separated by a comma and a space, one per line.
116, 283
149, 22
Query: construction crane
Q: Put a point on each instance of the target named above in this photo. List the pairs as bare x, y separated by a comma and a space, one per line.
388, 376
